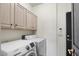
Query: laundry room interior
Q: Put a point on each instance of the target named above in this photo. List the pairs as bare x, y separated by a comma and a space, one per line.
33, 29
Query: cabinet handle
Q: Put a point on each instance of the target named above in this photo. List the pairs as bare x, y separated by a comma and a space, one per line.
11, 24
16, 25
32, 27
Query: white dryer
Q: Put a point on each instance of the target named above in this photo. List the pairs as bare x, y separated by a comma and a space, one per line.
19, 48
40, 44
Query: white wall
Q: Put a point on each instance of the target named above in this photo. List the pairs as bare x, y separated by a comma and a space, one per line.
51, 17
46, 25
27, 5
61, 23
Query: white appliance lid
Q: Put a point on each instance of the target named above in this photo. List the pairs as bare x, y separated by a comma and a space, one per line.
37, 39
11, 46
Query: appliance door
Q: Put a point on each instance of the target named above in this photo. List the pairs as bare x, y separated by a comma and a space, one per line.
41, 48
30, 53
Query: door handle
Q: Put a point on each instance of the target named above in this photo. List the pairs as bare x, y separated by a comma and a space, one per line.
68, 35
68, 39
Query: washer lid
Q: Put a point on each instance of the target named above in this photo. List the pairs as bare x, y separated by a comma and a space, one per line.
11, 46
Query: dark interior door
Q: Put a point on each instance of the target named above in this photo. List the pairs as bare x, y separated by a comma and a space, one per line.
68, 33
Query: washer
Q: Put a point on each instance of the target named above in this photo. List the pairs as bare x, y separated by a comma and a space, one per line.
19, 48
40, 43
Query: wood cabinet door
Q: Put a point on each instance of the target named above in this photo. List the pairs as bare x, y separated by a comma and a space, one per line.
29, 20
25, 18
19, 17
34, 22
5, 14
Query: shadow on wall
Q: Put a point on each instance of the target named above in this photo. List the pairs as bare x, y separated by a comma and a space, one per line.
9, 35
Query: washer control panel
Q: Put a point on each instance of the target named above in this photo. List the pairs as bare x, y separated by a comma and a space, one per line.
32, 45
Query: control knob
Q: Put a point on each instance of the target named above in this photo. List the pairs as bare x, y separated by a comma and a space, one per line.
27, 47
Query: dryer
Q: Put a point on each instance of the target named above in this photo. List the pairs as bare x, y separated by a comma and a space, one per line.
40, 46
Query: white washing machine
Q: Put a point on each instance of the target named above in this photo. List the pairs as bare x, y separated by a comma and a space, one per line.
19, 48
40, 43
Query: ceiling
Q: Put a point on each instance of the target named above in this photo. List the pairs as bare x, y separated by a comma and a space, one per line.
35, 4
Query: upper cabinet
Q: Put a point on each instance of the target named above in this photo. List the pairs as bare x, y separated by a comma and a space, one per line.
34, 22
5, 15
31, 21
17, 17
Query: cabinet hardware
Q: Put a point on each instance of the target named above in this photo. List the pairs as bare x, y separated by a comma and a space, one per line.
16, 25
11, 24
